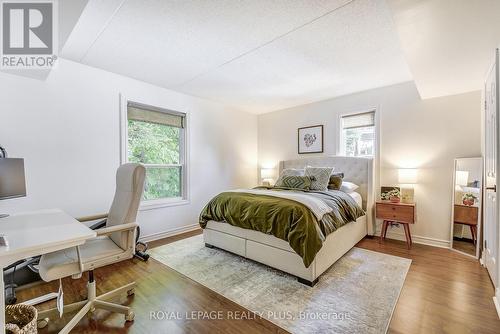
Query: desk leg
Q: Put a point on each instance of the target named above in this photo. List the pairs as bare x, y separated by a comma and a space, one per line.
2, 303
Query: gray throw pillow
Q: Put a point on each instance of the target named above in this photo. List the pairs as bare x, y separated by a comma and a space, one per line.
320, 176
288, 172
296, 182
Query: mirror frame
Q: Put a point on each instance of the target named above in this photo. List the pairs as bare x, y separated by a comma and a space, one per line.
480, 208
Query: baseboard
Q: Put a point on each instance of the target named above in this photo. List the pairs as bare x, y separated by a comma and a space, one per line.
496, 300
169, 233
418, 239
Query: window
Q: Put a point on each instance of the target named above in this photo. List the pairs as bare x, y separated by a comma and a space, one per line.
358, 135
156, 138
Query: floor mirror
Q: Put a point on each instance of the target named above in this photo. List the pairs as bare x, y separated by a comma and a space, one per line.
466, 206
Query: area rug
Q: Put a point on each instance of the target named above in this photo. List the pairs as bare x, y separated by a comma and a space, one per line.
356, 295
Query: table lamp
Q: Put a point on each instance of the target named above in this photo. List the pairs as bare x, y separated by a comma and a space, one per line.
461, 179
12, 180
407, 177
266, 175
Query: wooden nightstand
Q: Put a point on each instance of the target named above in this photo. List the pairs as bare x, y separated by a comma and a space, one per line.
467, 215
396, 213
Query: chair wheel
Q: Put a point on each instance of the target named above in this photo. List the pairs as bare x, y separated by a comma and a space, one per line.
42, 323
130, 316
130, 292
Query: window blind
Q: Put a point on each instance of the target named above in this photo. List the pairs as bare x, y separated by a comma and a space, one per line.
358, 120
143, 114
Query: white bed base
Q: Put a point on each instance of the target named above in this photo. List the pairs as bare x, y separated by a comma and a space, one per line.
277, 253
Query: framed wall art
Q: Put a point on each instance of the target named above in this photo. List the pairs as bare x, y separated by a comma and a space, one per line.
310, 139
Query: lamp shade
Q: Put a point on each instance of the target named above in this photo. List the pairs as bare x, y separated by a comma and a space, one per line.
461, 178
266, 173
408, 175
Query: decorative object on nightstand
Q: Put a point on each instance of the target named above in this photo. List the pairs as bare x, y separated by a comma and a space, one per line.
266, 175
407, 177
394, 214
392, 194
469, 199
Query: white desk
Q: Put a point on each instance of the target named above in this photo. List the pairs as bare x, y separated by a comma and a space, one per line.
36, 233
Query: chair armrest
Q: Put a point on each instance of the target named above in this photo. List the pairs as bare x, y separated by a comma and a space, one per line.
91, 218
116, 228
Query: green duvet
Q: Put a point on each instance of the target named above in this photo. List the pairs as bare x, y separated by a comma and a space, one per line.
285, 219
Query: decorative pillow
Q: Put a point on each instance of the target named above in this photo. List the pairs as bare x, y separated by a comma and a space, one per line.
348, 187
295, 182
335, 181
320, 175
289, 172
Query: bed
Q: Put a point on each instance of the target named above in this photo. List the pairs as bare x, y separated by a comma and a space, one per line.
277, 253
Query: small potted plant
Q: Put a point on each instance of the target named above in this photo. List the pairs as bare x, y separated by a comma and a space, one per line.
394, 196
469, 199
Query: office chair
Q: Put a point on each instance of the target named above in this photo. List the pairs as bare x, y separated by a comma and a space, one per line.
114, 243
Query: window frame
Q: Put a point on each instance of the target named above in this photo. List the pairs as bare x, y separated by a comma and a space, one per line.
183, 157
341, 139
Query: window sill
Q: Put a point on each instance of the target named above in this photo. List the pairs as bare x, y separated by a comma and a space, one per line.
162, 203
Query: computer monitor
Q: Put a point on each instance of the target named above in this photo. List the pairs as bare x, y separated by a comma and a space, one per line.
12, 181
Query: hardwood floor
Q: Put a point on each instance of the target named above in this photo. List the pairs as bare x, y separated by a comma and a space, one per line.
159, 289
465, 246
444, 292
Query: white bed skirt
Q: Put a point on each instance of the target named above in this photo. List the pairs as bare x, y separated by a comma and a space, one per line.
276, 253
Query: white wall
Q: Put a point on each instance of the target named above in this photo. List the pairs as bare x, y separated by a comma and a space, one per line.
423, 134
67, 129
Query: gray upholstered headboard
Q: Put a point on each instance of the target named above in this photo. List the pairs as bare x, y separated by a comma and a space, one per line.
357, 170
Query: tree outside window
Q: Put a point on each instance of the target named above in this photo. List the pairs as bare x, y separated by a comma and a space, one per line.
156, 139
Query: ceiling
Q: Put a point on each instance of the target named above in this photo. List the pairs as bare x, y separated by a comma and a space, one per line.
261, 55
449, 44
257, 55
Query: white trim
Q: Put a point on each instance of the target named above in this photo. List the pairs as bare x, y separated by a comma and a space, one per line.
497, 305
184, 159
496, 299
162, 203
169, 233
419, 239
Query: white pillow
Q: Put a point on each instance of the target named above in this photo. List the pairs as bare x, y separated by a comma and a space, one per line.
348, 187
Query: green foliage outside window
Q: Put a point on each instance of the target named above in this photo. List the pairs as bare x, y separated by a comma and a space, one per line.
162, 182
156, 144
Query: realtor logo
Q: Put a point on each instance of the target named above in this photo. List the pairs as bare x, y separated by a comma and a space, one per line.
28, 34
